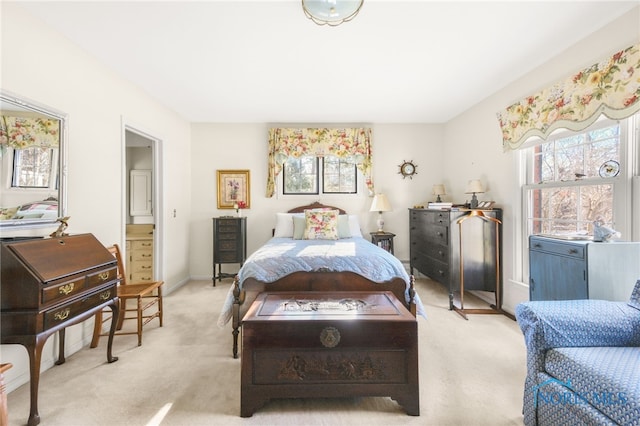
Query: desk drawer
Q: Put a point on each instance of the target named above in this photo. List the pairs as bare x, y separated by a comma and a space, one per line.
65, 312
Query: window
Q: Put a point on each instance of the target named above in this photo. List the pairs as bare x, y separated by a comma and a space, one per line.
33, 167
305, 175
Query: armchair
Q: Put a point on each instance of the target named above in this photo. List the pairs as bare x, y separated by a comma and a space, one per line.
583, 361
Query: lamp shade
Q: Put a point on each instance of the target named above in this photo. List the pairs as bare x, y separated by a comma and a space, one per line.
331, 12
380, 204
438, 190
474, 187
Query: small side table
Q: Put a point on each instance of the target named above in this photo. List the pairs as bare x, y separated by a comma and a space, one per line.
384, 240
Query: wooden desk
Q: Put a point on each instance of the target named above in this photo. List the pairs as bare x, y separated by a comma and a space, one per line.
329, 344
47, 285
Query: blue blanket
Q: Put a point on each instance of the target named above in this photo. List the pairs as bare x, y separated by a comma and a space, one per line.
280, 257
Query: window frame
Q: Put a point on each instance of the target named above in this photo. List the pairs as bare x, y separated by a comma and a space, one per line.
52, 172
321, 180
624, 206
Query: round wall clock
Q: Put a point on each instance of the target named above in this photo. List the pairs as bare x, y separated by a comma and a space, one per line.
609, 168
407, 169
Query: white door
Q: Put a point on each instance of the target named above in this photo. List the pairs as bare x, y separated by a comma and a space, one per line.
140, 195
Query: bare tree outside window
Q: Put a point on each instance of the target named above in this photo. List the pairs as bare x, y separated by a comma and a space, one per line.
566, 191
32, 167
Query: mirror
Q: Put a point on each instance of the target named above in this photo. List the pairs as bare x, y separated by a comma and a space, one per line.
32, 163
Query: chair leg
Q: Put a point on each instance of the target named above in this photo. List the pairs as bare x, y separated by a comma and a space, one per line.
97, 329
160, 304
139, 321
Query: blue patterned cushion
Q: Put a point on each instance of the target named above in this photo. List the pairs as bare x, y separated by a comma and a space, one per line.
635, 296
606, 377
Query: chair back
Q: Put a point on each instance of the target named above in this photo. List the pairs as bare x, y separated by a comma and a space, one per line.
115, 251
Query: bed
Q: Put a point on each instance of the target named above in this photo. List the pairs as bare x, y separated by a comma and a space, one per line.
341, 260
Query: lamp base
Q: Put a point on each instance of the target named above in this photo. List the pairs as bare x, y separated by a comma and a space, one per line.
380, 222
474, 201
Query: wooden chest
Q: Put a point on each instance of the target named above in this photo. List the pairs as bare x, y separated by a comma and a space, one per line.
321, 344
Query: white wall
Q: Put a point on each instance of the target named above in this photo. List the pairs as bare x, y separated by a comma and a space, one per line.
41, 65
473, 141
245, 146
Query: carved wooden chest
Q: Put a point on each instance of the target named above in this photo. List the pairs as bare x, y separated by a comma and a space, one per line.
320, 344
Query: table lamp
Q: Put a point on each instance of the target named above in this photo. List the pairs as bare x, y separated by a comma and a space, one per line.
474, 187
380, 204
438, 190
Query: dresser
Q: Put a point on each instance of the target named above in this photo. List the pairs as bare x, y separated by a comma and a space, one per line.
445, 245
49, 284
139, 253
568, 269
229, 244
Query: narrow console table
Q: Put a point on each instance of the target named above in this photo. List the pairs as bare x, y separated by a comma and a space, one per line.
329, 344
48, 285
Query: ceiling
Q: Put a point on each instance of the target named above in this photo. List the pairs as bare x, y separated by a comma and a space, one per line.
264, 61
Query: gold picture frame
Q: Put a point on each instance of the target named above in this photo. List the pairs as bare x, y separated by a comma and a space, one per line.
233, 186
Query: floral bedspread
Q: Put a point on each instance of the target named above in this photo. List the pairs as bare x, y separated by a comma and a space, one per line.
280, 257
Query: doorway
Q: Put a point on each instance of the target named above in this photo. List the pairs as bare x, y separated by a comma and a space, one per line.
142, 212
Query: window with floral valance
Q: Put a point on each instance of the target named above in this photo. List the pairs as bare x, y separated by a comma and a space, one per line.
610, 87
353, 144
25, 132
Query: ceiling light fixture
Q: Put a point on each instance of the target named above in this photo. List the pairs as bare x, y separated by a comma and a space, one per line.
331, 12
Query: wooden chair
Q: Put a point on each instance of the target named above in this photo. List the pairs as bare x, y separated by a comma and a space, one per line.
146, 295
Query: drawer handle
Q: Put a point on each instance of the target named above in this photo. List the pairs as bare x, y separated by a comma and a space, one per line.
145, 267
66, 289
62, 315
103, 276
439, 234
573, 251
537, 245
440, 252
146, 255
105, 295
146, 244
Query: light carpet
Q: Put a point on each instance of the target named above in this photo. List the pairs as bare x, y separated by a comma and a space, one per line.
471, 373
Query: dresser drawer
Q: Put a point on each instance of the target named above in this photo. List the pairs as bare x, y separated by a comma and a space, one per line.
144, 266
67, 311
141, 245
562, 248
68, 288
227, 245
140, 277
437, 234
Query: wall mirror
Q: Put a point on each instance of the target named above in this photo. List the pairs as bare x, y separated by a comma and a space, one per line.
32, 163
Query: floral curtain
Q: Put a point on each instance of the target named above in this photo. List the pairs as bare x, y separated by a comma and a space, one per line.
352, 143
610, 87
24, 132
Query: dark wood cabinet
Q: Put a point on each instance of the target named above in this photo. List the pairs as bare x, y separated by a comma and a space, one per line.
384, 240
448, 245
49, 284
229, 244
572, 269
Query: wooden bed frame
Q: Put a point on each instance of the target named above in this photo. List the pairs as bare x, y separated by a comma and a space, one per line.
321, 280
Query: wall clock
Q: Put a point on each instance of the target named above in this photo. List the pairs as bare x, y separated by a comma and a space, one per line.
407, 169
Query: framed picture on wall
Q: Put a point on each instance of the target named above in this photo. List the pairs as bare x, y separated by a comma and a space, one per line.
233, 187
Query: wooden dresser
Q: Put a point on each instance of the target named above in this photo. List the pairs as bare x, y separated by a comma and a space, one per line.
229, 243
436, 249
139, 253
49, 284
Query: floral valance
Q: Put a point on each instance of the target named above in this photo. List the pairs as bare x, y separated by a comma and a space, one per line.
610, 87
351, 143
24, 132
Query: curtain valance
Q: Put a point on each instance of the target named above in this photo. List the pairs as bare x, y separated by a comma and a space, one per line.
25, 132
352, 144
610, 87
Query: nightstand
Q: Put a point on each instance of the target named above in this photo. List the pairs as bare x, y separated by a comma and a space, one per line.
384, 240
229, 244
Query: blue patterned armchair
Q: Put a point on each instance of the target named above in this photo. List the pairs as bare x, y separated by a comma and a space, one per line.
583, 361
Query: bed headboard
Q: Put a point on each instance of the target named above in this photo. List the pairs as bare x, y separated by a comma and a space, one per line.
315, 205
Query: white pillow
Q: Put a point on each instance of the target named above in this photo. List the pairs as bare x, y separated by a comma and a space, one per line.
354, 226
284, 224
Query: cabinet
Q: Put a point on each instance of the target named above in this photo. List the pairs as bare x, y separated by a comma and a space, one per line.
569, 269
139, 253
140, 193
446, 245
229, 244
384, 240
49, 284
